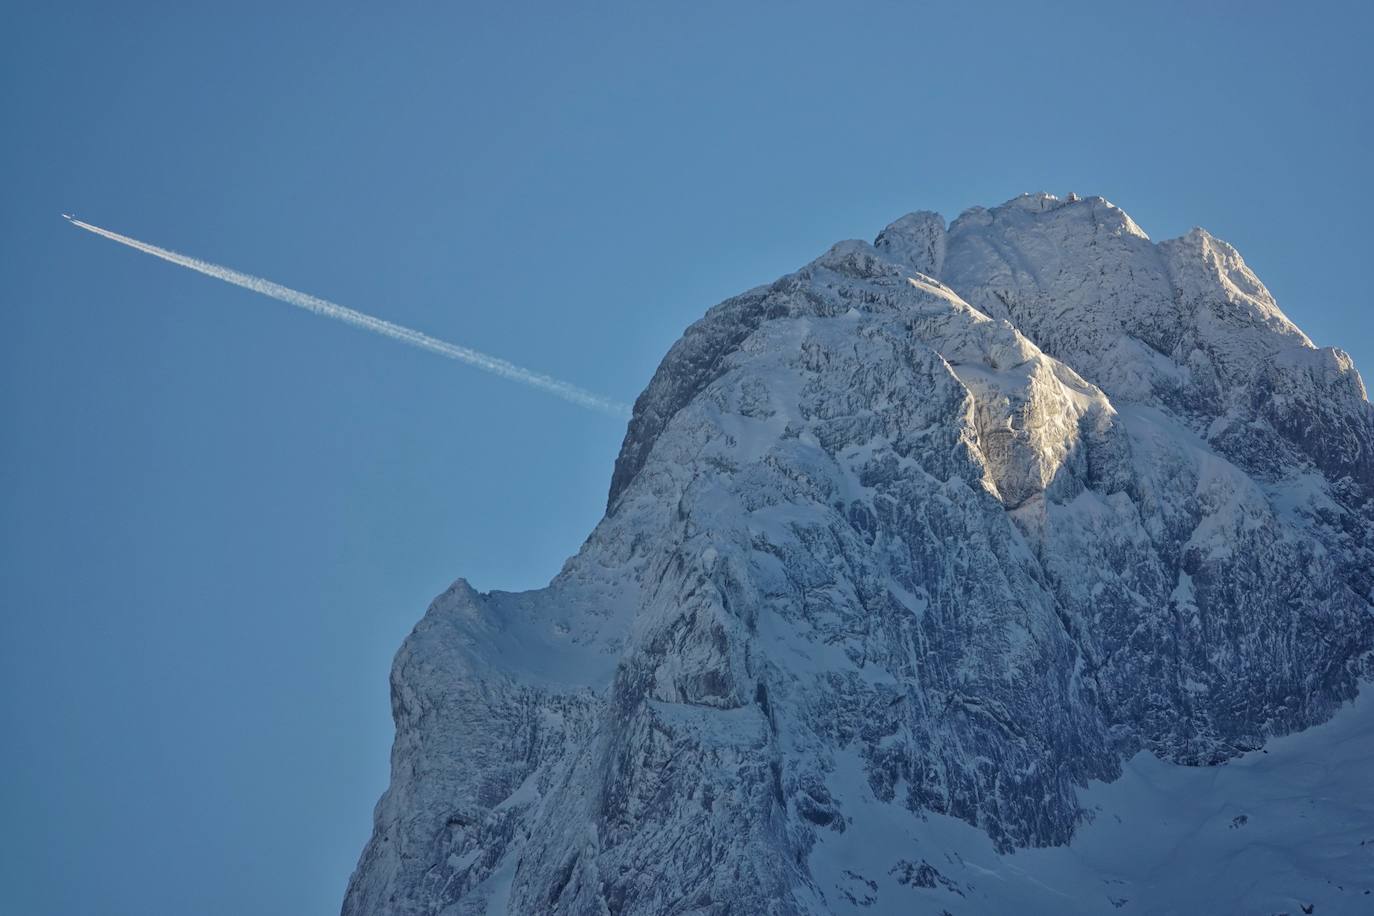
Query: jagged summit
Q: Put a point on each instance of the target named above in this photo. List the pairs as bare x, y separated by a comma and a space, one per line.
1183, 322
919, 539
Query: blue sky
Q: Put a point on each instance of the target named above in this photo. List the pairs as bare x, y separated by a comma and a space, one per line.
221, 515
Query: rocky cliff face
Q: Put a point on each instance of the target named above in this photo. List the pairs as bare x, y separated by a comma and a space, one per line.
945, 525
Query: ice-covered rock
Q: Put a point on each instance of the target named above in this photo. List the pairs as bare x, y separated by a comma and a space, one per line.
945, 526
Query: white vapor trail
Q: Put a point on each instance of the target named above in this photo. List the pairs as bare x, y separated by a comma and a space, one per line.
493, 364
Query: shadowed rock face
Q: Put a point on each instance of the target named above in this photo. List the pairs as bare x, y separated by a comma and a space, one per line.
963, 518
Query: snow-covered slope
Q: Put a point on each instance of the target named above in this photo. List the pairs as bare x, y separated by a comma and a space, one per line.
1278, 830
906, 556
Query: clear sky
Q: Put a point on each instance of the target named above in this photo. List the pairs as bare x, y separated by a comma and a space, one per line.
222, 515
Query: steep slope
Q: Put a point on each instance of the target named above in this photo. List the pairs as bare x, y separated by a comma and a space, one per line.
946, 526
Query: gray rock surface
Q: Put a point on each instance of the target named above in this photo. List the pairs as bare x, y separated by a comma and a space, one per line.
970, 516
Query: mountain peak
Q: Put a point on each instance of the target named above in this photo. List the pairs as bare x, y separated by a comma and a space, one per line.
901, 551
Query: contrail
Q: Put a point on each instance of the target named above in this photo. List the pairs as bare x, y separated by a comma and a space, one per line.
501, 367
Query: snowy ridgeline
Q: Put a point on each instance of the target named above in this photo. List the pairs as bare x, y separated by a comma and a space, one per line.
975, 570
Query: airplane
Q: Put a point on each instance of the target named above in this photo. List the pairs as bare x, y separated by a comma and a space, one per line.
68, 216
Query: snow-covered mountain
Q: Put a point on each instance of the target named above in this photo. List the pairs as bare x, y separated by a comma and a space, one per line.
970, 570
